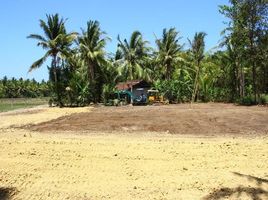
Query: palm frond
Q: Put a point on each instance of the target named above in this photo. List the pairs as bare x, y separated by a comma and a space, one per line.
39, 62
37, 37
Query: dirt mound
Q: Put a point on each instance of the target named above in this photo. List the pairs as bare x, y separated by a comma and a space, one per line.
205, 119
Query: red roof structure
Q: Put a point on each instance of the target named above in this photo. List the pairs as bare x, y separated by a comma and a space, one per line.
127, 85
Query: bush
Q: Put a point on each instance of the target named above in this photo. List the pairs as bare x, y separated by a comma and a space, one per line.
107, 91
247, 101
175, 91
263, 99
2, 92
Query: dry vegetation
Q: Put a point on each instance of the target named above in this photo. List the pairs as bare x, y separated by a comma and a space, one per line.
103, 153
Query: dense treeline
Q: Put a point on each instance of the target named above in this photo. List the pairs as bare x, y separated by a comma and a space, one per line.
20, 88
82, 71
246, 39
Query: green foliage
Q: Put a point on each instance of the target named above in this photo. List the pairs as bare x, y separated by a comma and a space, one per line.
82, 72
197, 53
264, 99
168, 52
91, 46
2, 91
107, 91
175, 91
13, 88
209, 75
134, 54
247, 101
246, 40
56, 41
78, 90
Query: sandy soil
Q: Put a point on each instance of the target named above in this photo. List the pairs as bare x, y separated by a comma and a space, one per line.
17, 118
82, 163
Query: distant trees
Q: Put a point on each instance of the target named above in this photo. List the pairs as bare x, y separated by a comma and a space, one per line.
82, 71
20, 88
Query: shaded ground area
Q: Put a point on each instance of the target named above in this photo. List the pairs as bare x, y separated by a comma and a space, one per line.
6, 193
257, 192
204, 119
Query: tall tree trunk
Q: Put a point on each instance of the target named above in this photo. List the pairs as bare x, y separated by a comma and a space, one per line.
131, 90
131, 82
252, 62
265, 81
196, 82
91, 76
252, 58
242, 82
254, 81
56, 82
91, 70
168, 72
234, 82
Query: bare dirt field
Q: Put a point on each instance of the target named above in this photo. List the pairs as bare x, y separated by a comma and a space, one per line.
207, 151
198, 119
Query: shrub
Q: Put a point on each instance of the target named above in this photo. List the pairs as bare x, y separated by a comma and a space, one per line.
263, 99
175, 91
246, 101
107, 91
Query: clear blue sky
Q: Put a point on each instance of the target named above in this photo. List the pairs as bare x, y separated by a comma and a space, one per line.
19, 18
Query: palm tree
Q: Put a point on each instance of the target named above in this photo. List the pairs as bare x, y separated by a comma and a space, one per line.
234, 71
56, 41
197, 53
168, 51
92, 44
133, 54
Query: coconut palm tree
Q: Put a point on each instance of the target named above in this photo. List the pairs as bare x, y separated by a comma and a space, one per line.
168, 49
133, 54
56, 41
92, 43
197, 52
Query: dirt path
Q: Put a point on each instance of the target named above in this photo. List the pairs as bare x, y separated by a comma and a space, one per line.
85, 164
35, 115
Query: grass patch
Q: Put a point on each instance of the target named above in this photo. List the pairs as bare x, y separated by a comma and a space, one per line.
17, 103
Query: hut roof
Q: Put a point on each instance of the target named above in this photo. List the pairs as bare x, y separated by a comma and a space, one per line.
128, 84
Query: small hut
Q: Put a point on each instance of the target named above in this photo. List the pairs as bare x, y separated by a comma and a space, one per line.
139, 87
